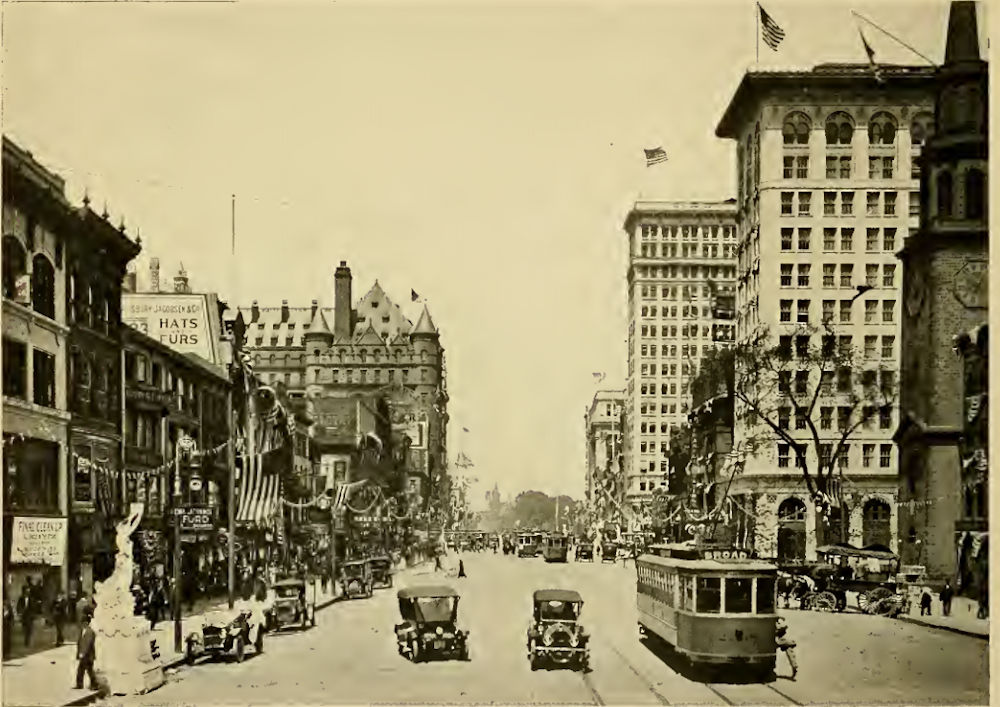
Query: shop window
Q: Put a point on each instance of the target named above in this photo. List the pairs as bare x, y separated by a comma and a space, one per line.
43, 286
32, 474
15, 369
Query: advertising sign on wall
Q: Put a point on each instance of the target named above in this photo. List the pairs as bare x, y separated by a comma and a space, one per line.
181, 321
38, 541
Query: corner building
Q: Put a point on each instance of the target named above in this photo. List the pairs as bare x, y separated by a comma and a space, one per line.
603, 431
681, 258
827, 195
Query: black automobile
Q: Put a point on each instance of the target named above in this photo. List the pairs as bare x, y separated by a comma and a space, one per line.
381, 571
584, 552
292, 604
555, 635
429, 628
609, 551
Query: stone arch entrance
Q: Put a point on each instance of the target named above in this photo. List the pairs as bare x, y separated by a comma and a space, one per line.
792, 530
875, 521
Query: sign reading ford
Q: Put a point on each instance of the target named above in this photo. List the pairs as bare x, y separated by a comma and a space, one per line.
195, 518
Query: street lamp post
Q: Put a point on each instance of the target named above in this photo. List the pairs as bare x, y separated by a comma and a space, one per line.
184, 445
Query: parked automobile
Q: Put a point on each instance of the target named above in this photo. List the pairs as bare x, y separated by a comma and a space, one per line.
292, 604
429, 627
381, 571
356, 579
555, 634
227, 630
584, 552
609, 551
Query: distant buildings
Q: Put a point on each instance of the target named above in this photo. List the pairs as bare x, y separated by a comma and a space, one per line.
942, 436
827, 194
681, 260
605, 490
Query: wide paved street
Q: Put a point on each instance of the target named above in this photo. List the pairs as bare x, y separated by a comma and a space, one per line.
350, 657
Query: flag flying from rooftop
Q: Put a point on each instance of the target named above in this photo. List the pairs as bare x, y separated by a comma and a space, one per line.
599, 377
769, 29
871, 57
414, 296
655, 156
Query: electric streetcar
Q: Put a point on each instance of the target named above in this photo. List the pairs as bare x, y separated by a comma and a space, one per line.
713, 605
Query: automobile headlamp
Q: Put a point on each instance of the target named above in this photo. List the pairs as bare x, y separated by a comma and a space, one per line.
439, 630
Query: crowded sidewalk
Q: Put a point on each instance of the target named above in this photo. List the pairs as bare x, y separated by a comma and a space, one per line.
962, 618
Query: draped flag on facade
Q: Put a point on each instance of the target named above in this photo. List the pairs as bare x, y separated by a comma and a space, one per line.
259, 489
769, 29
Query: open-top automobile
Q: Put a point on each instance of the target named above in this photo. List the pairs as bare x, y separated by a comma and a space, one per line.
356, 579
226, 630
292, 605
381, 570
429, 627
555, 634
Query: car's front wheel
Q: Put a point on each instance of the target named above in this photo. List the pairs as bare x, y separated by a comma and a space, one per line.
415, 654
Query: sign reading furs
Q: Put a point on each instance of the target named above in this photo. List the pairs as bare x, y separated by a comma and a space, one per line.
38, 541
181, 321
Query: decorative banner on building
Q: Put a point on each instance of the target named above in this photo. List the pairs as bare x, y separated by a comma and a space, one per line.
184, 322
38, 541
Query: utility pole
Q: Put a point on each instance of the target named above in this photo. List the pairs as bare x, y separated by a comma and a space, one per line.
231, 504
184, 444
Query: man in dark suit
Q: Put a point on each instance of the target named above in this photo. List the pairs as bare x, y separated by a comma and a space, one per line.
86, 652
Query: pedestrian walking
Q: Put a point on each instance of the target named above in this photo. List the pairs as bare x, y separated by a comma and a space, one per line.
437, 562
983, 610
925, 603
26, 611
946, 596
59, 614
86, 652
785, 644
461, 568
8, 626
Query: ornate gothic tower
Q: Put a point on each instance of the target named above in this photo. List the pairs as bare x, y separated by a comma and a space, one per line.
944, 294
317, 337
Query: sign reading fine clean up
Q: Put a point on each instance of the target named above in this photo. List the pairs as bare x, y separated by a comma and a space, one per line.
38, 541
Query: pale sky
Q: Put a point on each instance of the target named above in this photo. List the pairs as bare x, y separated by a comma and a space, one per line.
481, 153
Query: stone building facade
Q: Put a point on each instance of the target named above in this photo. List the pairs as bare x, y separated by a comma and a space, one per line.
943, 485
827, 194
605, 487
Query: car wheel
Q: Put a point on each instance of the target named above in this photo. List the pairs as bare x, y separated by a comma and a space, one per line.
415, 654
239, 649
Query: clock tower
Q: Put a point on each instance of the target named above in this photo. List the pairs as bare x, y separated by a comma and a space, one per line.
945, 293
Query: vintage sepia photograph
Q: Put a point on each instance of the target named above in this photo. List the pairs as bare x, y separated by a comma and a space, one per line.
473, 352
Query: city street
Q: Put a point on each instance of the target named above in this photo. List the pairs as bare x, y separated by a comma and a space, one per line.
350, 657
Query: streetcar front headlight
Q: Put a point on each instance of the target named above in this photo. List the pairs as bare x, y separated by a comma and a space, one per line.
547, 639
439, 630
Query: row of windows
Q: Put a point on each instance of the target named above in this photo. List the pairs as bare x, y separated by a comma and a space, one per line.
835, 345
687, 351
799, 276
683, 272
839, 128
37, 288
802, 312
684, 312
378, 375
877, 204
665, 389
876, 239
651, 485
845, 379
840, 167
685, 293
665, 409
709, 595
845, 417
672, 250
651, 230
844, 458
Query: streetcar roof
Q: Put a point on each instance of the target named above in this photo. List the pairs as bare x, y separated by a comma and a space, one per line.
737, 565
566, 595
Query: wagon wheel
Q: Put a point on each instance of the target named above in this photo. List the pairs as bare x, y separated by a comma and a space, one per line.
874, 596
824, 601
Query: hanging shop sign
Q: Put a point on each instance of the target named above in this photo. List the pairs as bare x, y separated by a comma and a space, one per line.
38, 541
195, 518
180, 321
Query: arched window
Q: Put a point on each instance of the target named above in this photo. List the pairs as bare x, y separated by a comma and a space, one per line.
875, 523
792, 509
921, 128
43, 286
792, 529
839, 129
795, 130
945, 195
882, 129
975, 194
15, 262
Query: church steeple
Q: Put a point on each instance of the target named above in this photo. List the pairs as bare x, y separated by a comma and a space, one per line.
963, 34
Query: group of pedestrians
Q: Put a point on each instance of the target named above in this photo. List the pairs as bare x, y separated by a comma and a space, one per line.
945, 596
31, 607
152, 599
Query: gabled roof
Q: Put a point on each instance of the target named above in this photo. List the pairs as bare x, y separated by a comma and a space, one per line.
318, 325
424, 325
369, 337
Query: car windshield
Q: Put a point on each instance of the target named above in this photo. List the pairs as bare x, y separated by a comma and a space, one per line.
354, 570
286, 592
558, 610
435, 608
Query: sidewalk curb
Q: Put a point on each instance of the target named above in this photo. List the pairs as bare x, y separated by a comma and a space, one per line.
952, 629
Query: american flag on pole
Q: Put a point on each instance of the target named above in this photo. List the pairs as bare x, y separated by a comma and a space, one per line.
655, 156
769, 29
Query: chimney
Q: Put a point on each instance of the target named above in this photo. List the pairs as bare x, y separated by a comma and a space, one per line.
343, 324
254, 312
181, 281
154, 274
284, 311
312, 311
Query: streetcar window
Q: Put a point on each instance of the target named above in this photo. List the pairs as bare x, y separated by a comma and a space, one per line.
739, 595
765, 595
709, 595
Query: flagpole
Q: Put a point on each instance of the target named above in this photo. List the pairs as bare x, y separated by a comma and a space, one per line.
757, 35
892, 36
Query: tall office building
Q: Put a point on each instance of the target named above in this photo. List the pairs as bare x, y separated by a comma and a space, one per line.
681, 262
827, 195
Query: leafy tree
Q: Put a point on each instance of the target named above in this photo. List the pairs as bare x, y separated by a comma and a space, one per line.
809, 389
